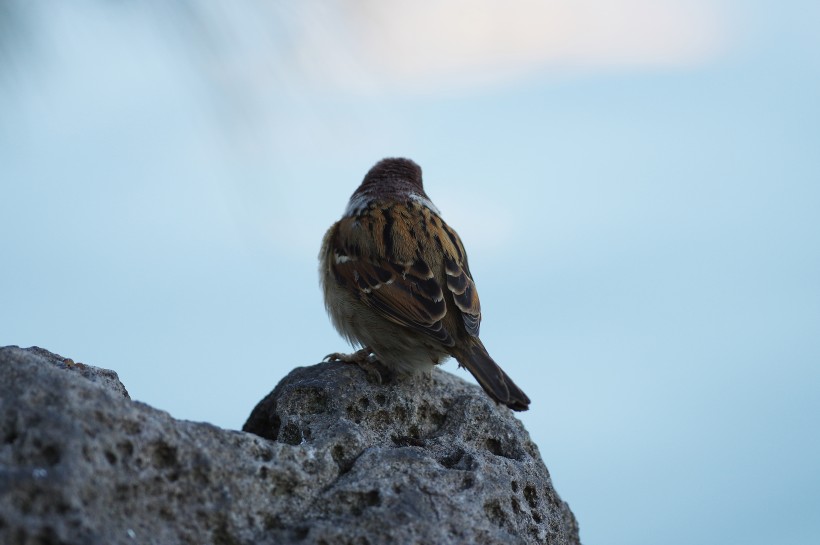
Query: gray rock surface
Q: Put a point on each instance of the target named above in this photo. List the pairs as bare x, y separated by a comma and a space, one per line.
332, 456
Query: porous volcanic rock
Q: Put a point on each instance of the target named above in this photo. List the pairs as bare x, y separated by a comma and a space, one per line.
332, 455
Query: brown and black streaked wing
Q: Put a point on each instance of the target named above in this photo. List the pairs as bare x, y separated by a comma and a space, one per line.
464, 294
460, 282
408, 295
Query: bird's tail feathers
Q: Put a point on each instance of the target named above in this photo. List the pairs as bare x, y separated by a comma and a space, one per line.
491, 377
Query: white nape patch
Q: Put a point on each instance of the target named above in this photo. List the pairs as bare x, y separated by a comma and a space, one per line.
342, 258
357, 204
415, 197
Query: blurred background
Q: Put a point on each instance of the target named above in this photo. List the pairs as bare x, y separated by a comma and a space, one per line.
637, 183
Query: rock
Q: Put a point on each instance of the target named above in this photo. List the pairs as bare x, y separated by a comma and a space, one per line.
330, 458
104, 377
433, 455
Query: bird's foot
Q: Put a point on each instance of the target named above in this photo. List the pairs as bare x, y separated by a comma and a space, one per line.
359, 357
366, 360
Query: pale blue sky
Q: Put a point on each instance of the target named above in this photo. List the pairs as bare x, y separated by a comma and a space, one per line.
640, 208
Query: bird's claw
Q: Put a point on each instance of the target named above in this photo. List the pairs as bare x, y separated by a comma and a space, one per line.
365, 359
359, 357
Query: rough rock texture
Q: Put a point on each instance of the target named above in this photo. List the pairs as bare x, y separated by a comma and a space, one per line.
332, 457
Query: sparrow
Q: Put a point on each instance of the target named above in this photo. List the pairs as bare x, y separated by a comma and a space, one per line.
396, 282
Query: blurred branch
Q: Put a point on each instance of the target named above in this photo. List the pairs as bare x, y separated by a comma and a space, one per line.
16, 34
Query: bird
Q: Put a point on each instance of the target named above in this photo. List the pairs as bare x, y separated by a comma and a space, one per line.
396, 281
